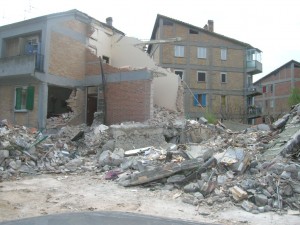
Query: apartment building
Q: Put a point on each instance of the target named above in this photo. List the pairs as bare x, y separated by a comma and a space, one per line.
276, 88
216, 71
51, 65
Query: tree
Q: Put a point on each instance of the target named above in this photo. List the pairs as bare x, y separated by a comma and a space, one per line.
294, 97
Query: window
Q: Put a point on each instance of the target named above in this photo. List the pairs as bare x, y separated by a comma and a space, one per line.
167, 22
272, 103
32, 46
105, 59
264, 89
201, 76
271, 88
201, 53
179, 73
24, 98
223, 101
223, 78
200, 99
179, 51
192, 31
223, 53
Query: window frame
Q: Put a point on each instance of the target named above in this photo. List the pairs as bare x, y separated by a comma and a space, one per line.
202, 102
199, 55
224, 54
24, 98
179, 51
221, 77
199, 81
179, 70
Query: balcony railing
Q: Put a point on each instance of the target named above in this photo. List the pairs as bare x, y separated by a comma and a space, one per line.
254, 67
254, 111
254, 90
21, 64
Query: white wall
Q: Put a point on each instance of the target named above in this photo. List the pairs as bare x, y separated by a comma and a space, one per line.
165, 83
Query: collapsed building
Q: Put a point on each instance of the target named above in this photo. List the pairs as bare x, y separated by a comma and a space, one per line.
256, 168
61, 68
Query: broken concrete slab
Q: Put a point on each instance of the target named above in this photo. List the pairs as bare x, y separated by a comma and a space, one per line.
161, 172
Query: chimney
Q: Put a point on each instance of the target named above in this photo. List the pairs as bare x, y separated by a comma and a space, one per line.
211, 25
109, 21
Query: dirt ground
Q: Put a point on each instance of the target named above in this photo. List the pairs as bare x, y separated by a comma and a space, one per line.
51, 194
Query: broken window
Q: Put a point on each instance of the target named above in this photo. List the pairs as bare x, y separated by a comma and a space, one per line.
200, 99
201, 77
223, 53
201, 53
105, 59
179, 73
223, 78
24, 98
179, 51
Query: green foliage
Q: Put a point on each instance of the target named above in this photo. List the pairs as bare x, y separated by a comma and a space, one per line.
211, 118
294, 97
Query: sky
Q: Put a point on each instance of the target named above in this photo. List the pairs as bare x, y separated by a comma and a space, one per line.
273, 26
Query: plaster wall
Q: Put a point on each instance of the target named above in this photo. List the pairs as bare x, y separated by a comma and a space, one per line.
126, 52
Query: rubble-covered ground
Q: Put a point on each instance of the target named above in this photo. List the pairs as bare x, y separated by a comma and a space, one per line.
167, 166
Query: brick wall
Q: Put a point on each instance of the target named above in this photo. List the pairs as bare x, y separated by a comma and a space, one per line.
67, 56
28, 118
128, 101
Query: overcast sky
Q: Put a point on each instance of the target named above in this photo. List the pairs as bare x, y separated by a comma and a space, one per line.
273, 26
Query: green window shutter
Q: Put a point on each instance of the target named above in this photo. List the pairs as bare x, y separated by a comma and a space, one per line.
18, 98
30, 98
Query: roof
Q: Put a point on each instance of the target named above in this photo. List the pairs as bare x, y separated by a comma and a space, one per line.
156, 25
59, 14
297, 64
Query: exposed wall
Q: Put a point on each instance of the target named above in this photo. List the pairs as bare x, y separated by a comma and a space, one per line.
128, 101
67, 57
125, 53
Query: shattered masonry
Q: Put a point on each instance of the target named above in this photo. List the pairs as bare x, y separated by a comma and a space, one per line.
256, 168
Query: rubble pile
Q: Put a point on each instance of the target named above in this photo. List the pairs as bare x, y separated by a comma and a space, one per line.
257, 169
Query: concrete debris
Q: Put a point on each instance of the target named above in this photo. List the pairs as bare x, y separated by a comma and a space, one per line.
257, 168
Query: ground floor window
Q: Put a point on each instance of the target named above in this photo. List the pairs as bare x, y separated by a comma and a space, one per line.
200, 99
24, 98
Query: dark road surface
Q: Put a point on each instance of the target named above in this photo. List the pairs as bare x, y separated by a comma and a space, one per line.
99, 218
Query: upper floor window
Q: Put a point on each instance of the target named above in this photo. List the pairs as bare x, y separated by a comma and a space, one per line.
32, 46
223, 78
179, 73
179, 51
201, 76
24, 98
223, 53
201, 53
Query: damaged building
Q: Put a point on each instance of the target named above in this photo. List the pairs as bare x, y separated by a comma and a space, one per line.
51, 73
216, 70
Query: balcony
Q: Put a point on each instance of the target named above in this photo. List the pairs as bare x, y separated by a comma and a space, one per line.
254, 67
254, 90
21, 65
254, 111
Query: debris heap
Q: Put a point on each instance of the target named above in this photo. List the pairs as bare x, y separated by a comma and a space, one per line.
257, 169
